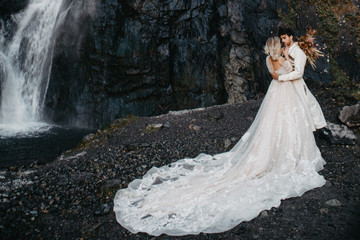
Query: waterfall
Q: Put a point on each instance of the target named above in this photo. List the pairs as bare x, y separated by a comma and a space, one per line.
25, 66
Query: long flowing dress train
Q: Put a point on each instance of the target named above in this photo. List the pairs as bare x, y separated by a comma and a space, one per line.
277, 158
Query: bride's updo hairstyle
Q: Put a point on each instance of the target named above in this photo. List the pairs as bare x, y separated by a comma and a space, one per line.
273, 47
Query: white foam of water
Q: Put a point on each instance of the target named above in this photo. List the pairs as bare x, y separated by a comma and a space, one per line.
25, 129
25, 65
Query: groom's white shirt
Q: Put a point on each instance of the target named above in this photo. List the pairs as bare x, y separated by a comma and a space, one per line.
299, 57
296, 77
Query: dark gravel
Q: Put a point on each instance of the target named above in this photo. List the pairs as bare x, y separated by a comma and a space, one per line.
72, 197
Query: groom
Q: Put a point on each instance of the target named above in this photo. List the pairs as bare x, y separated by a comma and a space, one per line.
298, 58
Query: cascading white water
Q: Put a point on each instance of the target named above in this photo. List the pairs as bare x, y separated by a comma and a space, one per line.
25, 64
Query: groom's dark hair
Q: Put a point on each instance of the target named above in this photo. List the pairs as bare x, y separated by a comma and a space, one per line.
286, 31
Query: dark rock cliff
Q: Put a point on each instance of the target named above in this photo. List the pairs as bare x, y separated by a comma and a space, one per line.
137, 57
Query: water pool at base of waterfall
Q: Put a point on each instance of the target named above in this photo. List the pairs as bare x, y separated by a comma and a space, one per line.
41, 146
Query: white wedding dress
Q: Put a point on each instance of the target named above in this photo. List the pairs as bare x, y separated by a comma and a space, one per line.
277, 158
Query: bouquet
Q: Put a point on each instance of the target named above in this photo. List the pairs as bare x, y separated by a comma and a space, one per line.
307, 44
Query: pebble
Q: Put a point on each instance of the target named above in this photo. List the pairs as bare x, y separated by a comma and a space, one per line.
88, 137
194, 127
227, 143
333, 203
103, 209
264, 213
328, 183
338, 134
153, 127
4, 195
215, 115
324, 210
111, 183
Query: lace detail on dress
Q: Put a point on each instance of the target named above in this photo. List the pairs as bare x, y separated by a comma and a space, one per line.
276, 158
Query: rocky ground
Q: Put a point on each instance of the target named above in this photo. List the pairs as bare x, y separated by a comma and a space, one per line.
72, 197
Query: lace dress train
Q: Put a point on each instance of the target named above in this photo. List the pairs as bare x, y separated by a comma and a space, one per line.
277, 158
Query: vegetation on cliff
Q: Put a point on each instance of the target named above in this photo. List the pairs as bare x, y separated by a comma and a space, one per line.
338, 25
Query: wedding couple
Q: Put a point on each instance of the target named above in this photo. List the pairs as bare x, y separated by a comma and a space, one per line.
277, 158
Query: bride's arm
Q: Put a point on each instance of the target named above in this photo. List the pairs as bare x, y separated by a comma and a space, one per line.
299, 62
269, 64
288, 67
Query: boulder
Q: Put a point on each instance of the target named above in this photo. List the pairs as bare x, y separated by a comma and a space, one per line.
350, 115
338, 134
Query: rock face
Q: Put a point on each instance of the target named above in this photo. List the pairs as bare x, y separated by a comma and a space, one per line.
137, 57
114, 58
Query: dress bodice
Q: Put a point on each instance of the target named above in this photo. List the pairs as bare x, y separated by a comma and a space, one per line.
285, 68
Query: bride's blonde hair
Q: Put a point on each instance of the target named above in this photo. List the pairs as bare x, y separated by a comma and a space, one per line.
273, 47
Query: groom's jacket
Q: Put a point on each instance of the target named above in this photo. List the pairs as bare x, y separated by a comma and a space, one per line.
314, 112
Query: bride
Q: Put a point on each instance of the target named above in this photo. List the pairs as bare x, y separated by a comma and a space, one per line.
277, 158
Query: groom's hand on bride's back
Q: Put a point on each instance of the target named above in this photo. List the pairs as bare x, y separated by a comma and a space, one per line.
274, 75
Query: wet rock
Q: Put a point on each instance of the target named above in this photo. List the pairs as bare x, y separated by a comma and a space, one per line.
111, 183
82, 176
103, 209
90, 228
136, 146
227, 143
264, 213
34, 212
338, 134
328, 183
88, 137
324, 210
214, 116
62, 157
154, 127
194, 127
333, 203
350, 115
